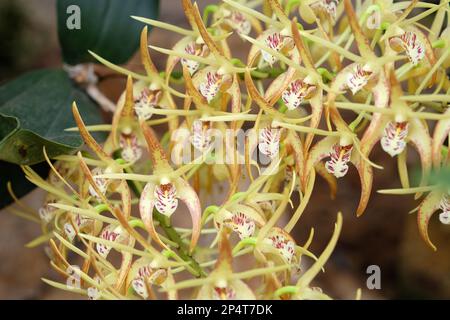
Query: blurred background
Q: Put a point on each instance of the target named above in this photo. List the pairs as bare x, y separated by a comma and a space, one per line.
386, 235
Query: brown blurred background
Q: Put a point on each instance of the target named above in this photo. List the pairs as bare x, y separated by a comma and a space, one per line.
386, 235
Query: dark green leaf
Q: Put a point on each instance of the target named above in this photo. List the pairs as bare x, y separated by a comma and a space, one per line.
35, 109
21, 186
106, 28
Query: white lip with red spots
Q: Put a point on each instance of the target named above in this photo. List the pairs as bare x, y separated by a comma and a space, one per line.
191, 65
201, 136
110, 235
70, 232
444, 205
339, 158
101, 183
296, 92
131, 152
146, 275
46, 213
393, 140
93, 292
274, 41
285, 246
329, 7
148, 99
269, 141
242, 225
238, 22
358, 78
166, 201
415, 50
210, 87
225, 293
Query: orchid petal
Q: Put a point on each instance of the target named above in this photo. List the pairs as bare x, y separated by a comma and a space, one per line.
295, 143
277, 86
163, 25
441, 133
309, 275
145, 56
361, 40
426, 209
146, 205
190, 198
420, 138
381, 93
203, 32
172, 60
88, 139
316, 102
110, 233
254, 94
318, 152
158, 155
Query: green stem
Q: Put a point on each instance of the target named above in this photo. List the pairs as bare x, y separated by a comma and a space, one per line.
286, 290
243, 243
444, 151
439, 43
326, 75
385, 25
183, 248
208, 10
283, 108
290, 5
101, 208
208, 211
259, 73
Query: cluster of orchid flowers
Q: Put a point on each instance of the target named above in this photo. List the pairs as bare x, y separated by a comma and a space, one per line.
296, 80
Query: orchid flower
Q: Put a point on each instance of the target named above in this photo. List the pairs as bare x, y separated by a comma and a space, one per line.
145, 273
98, 185
78, 218
310, 10
240, 218
222, 283
231, 19
163, 189
192, 44
276, 38
437, 199
125, 123
438, 196
220, 74
403, 36
302, 289
149, 91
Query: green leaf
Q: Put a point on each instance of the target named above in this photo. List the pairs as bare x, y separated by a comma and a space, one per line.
106, 28
35, 110
21, 186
